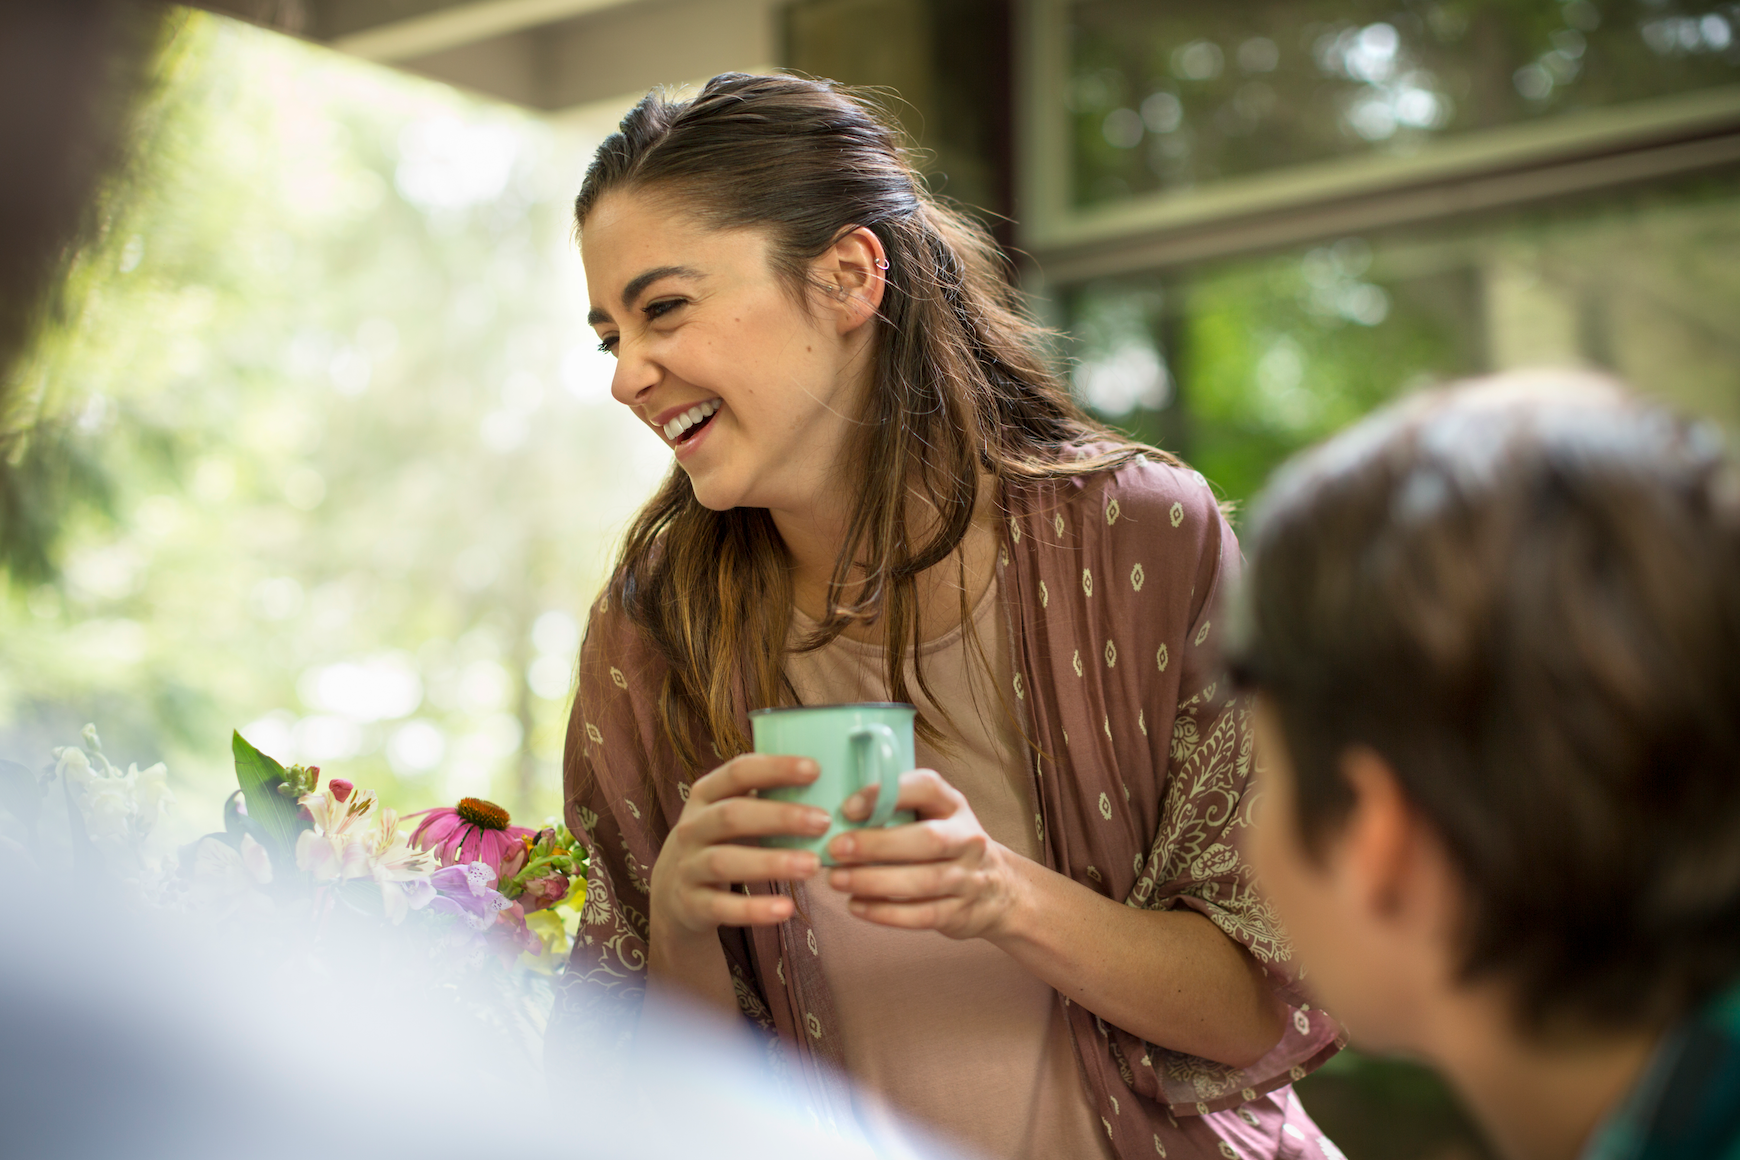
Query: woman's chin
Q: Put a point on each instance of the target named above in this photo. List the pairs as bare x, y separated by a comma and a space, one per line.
711, 494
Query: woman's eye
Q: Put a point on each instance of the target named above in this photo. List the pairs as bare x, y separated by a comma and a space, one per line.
608, 345
662, 307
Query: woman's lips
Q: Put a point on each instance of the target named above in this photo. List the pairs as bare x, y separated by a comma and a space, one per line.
695, 436
673, 423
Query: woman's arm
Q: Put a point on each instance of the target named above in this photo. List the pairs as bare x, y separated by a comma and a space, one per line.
692, 892
684, 969
1170, 977
657, 890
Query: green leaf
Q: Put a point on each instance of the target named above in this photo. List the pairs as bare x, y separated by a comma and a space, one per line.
236, 823
279, 818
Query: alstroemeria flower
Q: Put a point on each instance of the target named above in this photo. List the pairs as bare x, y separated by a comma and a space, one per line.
391, 854
473, 831
355, 837
116, 805
336, 816
226, 880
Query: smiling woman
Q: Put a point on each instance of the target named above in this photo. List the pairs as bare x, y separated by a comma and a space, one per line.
881, 493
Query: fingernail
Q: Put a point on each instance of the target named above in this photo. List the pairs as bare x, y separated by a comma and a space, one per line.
807, 767
805, 864
844, 847
857, 907
818, 820
840, 880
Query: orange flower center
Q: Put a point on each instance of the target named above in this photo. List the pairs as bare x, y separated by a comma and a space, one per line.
484, 815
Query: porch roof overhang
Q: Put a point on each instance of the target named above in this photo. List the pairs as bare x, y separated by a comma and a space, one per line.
549, 55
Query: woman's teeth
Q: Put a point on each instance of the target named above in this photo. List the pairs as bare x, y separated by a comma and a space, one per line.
693, 417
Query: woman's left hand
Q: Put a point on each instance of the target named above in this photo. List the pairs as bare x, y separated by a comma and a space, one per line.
945, 873
942, 872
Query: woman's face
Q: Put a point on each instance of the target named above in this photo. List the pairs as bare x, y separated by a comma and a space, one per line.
706, 333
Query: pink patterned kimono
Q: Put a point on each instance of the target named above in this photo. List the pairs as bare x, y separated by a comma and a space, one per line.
1111, 584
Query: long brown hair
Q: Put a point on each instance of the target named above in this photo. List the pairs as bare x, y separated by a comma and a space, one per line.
960, 388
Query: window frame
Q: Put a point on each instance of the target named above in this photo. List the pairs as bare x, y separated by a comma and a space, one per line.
1480, 170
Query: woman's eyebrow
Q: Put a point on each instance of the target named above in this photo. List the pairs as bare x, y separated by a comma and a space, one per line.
637, 286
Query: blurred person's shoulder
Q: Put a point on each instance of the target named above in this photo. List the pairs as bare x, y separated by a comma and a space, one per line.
1687, 1103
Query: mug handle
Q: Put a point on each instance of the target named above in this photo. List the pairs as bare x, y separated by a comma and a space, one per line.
887, 778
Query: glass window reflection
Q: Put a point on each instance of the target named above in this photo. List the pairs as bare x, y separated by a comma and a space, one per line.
1249, 360
1170, 97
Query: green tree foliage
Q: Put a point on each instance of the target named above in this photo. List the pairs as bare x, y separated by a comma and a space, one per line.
367, 470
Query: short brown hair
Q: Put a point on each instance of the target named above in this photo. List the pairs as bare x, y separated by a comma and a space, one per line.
1525, 594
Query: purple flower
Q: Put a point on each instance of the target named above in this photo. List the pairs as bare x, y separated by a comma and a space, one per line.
468, 892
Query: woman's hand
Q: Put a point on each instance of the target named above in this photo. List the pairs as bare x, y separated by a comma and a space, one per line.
945, 873
712, 847
942, 872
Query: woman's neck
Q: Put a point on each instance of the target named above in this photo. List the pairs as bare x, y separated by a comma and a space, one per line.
815, 538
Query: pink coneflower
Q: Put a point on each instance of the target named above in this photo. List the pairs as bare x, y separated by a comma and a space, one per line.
473, 831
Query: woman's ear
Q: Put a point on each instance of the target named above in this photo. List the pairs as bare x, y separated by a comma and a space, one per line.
854, 271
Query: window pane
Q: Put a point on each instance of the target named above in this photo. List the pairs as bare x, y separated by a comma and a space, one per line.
1169, 96
1237, 365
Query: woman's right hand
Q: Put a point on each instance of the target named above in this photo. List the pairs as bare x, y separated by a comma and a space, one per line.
713, 846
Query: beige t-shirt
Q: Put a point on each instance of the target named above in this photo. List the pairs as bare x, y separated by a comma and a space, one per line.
954, 1034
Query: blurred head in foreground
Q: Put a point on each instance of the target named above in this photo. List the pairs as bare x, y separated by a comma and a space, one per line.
1495, 632
153, 1035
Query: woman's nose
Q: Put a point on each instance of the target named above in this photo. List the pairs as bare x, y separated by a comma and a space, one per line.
634, 377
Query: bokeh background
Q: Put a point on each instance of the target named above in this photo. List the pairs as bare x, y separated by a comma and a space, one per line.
317, 445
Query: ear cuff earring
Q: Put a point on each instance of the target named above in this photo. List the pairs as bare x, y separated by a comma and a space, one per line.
882, 263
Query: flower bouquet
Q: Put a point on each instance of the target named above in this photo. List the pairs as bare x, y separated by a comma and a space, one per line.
497, 887
298, 848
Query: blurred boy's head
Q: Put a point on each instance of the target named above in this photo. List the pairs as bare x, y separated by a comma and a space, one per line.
1496, 634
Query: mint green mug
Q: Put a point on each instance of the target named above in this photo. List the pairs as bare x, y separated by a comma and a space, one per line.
857, 746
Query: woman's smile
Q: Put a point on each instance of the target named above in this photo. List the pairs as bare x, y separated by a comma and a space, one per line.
685, 427
683, 423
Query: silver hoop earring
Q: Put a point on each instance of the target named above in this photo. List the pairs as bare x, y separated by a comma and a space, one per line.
882, 263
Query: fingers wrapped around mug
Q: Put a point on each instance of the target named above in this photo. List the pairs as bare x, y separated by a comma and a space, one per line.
712, 848
942, 872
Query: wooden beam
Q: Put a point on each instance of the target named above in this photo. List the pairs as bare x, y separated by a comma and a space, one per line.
462, 24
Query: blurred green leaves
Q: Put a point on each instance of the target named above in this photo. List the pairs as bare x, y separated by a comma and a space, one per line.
333, 359
1262, 356
80, 96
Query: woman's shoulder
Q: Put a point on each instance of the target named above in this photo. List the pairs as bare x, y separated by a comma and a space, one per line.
616, 648
1146, 488
1148, 482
